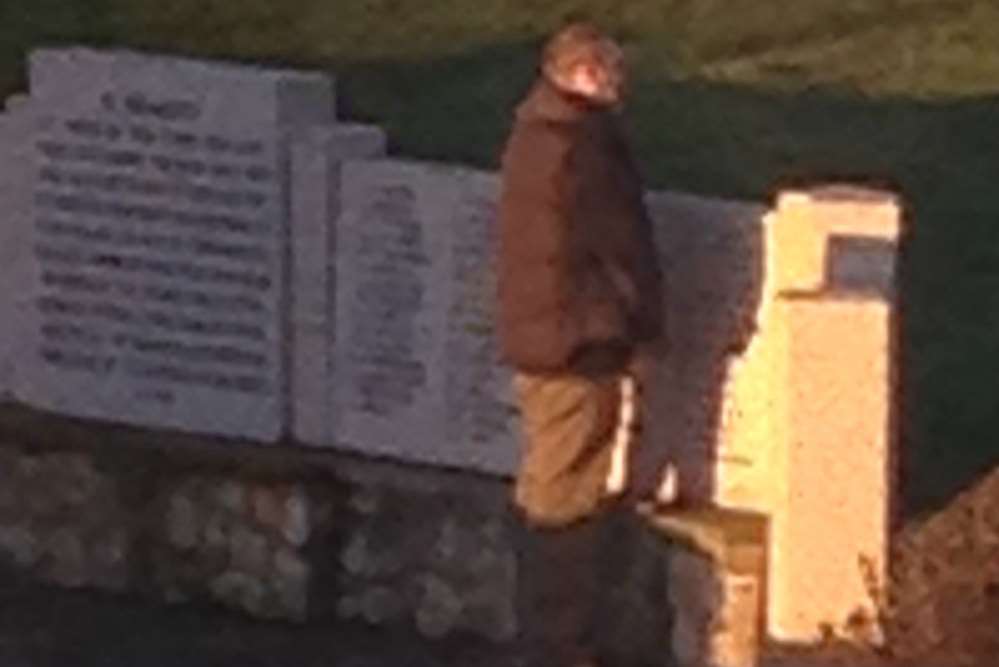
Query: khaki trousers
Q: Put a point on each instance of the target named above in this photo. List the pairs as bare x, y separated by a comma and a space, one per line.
577, 431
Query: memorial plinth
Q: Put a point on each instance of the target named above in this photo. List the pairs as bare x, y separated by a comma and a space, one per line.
717, 583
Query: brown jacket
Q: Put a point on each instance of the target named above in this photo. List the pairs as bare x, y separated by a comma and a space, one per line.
579, 283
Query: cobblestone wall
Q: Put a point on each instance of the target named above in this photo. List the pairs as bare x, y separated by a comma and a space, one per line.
365, 541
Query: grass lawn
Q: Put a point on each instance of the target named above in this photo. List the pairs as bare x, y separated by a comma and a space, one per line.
731, 97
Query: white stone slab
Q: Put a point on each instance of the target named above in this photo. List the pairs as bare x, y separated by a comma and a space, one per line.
15, 311
174, 90
316, 160
159, 223
831, 536
415, 365
480, 418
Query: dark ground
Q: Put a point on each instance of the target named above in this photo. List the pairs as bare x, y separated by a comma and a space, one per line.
42, 626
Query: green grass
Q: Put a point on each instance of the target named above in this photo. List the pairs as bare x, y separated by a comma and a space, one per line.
731, 97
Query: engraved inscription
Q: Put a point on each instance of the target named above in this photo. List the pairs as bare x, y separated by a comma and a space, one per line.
158, 249
391, 260
474, 410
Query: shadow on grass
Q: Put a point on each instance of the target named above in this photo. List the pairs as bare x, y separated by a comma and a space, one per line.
741, 141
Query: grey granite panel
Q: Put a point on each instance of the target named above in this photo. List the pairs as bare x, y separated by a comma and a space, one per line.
316, 161
416, 371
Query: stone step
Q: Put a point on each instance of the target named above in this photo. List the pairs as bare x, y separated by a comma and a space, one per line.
717, 575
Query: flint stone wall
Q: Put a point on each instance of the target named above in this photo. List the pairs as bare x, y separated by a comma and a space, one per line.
176, 519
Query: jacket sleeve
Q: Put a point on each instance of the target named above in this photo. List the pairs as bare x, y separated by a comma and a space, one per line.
533, 264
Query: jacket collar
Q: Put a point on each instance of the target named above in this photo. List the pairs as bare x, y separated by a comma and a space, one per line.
546, 102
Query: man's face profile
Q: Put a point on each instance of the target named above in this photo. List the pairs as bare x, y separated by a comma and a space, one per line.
583, 61
595, 82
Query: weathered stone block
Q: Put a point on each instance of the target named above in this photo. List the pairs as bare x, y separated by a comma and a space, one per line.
831, 535
717, 584
16, 307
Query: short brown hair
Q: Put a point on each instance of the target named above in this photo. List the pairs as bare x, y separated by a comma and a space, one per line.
581, 42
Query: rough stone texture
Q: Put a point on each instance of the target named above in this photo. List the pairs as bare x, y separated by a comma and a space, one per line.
943, 596
62, 519
717, 583
372, 541
258, 545
239, 542
441, 558
436, 559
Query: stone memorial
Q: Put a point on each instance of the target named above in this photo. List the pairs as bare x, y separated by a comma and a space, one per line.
315, 204
202, 247
713, 259
836, 473
414, 356
159, 223
800, 421
15, 268
777, 396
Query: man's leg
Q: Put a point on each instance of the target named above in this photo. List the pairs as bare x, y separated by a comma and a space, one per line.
569, 425
556, 593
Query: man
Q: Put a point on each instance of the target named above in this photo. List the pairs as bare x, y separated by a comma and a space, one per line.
579, 305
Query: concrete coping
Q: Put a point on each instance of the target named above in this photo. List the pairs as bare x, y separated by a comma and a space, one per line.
735, 539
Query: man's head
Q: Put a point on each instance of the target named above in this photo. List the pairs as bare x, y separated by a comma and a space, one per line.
582, 60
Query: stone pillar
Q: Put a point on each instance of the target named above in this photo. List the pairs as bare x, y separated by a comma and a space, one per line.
835, 252
316, 159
